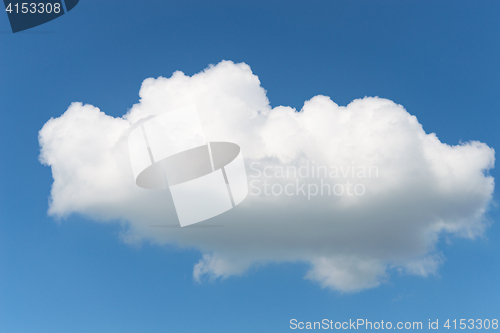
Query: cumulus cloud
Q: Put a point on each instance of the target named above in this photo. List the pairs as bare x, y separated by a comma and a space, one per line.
354, 191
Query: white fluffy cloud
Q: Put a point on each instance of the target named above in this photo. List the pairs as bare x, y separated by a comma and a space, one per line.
411, 188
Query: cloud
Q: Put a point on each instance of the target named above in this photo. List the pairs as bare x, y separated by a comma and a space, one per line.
347, 273
355, 191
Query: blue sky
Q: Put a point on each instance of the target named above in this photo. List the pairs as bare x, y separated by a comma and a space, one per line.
438, 60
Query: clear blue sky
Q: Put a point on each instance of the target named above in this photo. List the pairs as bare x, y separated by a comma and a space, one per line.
439, 59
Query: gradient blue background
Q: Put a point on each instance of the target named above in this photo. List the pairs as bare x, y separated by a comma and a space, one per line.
439, 59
